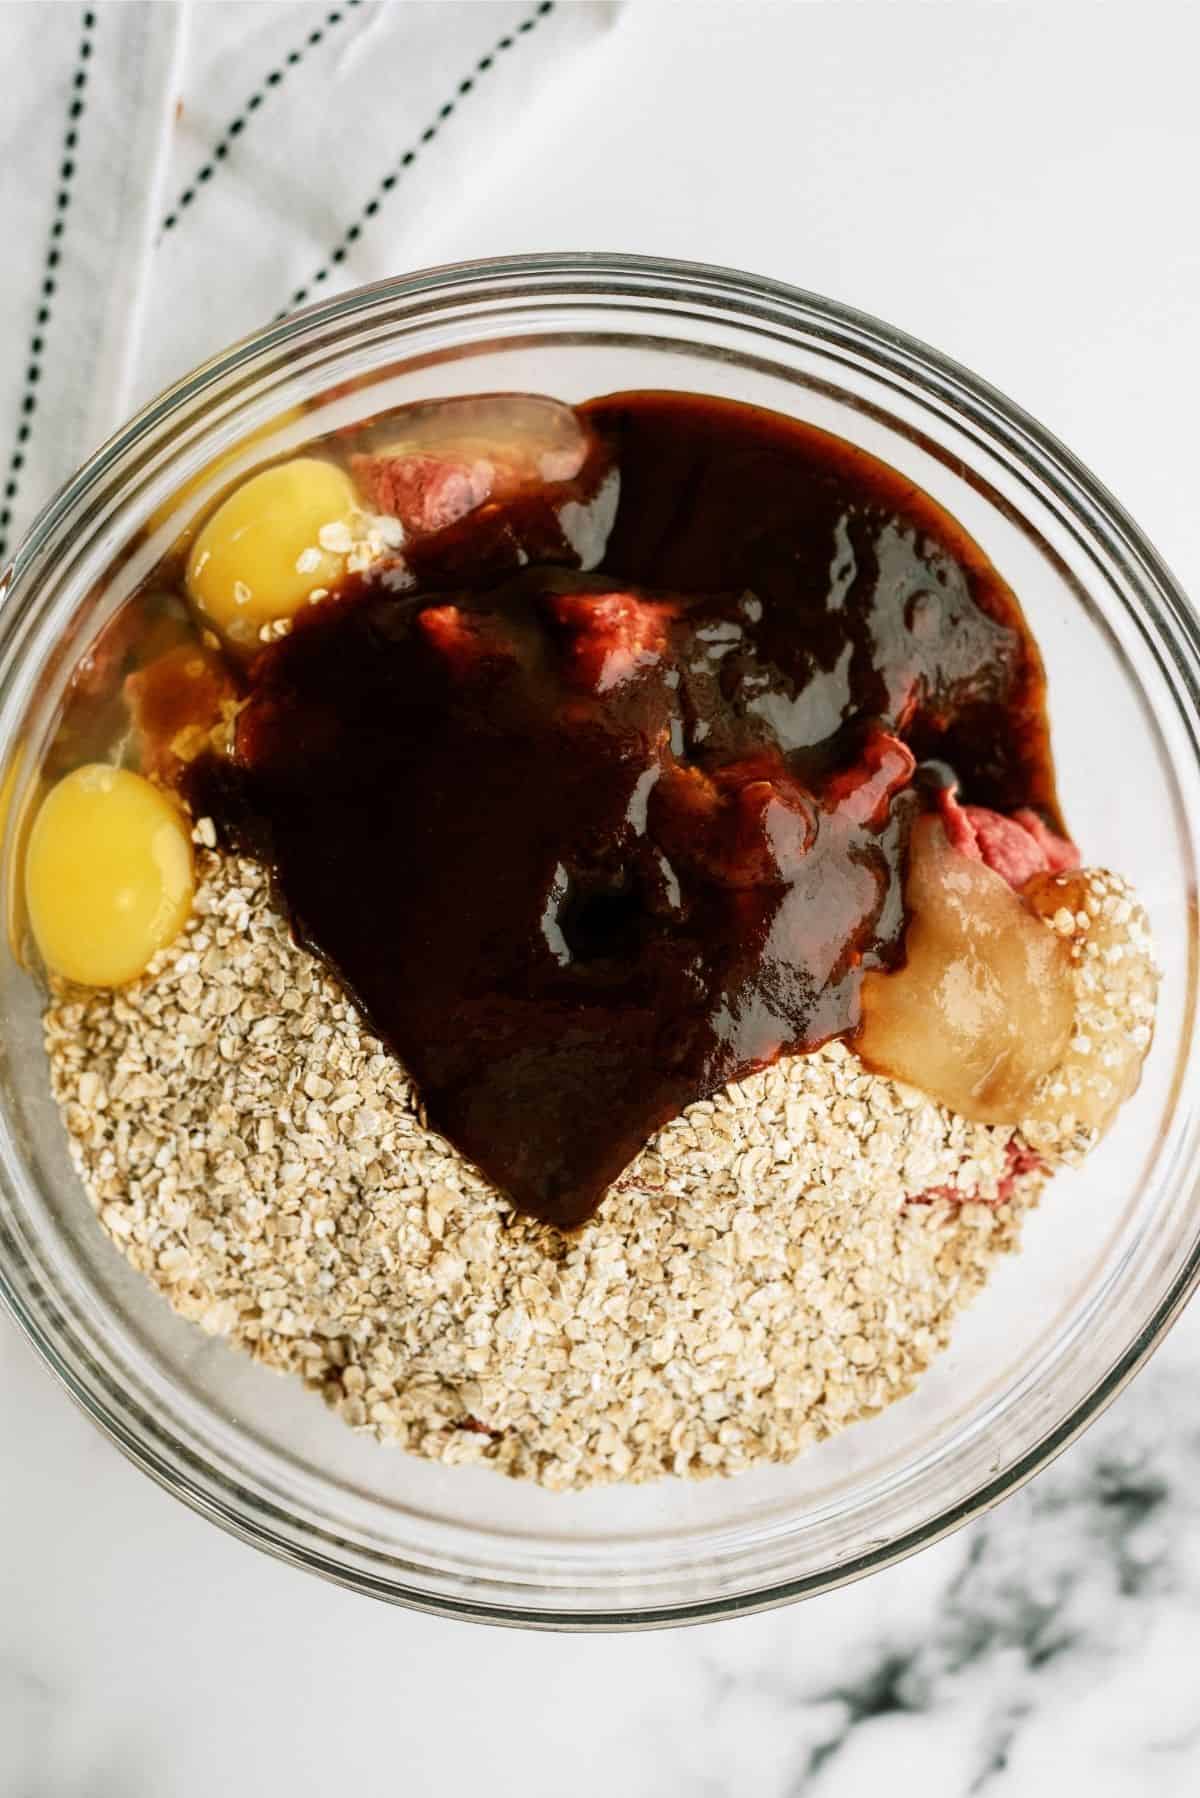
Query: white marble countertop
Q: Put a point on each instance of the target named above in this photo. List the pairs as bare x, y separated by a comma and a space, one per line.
1016, 185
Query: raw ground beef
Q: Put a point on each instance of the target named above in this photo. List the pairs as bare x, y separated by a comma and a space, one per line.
1016, 848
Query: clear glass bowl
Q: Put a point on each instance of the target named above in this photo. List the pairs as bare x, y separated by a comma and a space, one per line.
1108, 1260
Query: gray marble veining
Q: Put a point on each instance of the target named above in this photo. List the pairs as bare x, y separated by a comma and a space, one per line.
1054, 1645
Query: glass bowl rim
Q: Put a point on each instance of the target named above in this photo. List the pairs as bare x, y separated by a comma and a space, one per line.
735, 296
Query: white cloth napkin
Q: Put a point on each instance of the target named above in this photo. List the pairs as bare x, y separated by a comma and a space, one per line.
173, 175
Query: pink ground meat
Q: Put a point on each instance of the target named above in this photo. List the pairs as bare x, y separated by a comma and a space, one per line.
425, 493
1016, 848
1020, 1161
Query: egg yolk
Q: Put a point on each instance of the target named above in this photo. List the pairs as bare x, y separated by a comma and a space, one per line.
108, 875
279, 537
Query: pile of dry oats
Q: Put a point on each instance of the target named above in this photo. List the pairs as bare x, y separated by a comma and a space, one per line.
753, 1283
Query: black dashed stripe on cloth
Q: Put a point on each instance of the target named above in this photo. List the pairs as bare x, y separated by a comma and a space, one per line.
41, 322
238, 123
353, 232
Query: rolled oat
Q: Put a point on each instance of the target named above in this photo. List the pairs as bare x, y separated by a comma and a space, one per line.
753, 1282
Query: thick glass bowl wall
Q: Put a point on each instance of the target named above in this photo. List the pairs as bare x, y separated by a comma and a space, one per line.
1109, 1257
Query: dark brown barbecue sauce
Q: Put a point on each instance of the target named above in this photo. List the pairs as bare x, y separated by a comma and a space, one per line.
586, 847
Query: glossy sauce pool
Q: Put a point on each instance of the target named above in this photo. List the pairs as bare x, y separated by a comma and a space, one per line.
586, 847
